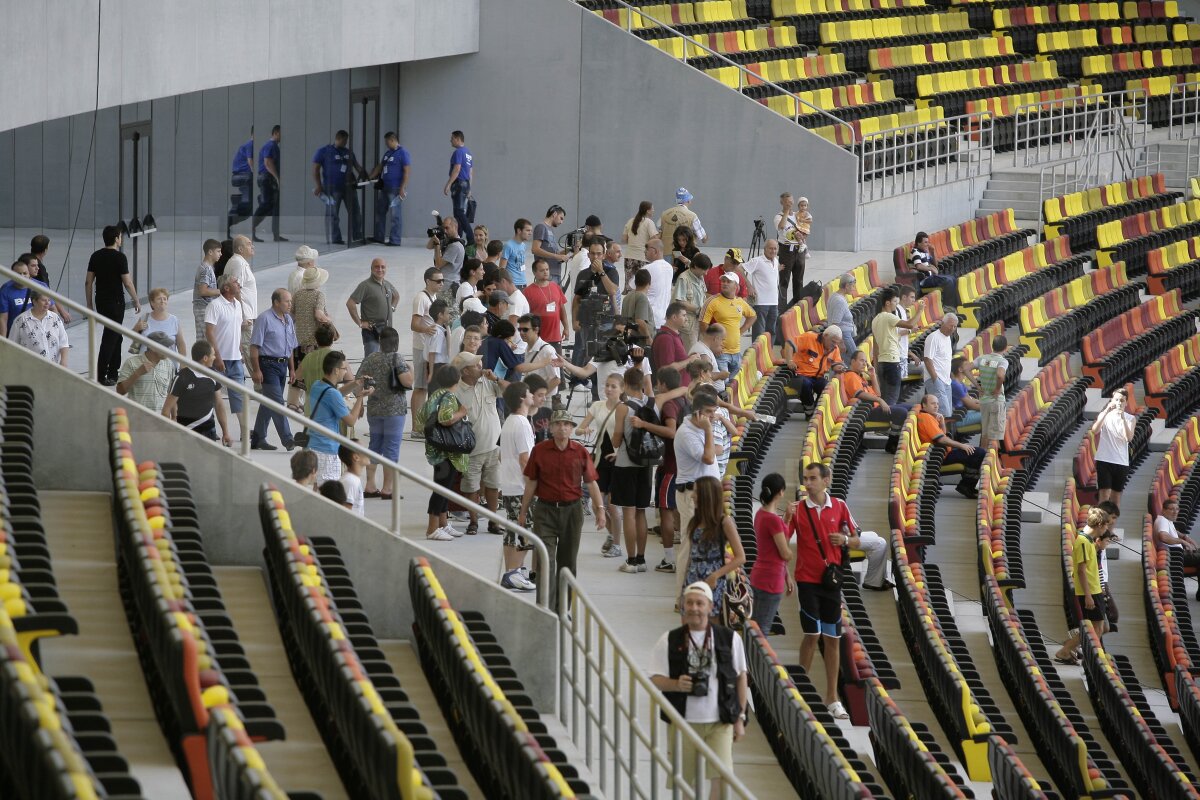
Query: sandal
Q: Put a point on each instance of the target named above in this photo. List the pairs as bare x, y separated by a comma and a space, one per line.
381, 496
373, 493
1066, 661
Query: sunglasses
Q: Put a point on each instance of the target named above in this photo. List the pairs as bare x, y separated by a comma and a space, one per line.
524, 330
437, 280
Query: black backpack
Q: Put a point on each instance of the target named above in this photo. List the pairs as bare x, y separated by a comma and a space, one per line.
645, 449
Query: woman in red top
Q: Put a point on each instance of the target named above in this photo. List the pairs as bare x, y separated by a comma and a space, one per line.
769, 578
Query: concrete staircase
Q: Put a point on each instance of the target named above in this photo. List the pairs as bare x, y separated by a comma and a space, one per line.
1013, 189
1174, 165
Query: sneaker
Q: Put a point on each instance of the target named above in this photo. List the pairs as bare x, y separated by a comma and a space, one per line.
837, 710
628, 566
766, 418
453, 531
417, 436
665, 566
616, 551
439, 535
641, 564
608, 545
515, 581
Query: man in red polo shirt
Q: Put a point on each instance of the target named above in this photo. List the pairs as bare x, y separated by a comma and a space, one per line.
555, 472
668, 349
732, 263
546, 300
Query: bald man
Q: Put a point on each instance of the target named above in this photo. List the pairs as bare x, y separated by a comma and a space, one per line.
371, 305
937, 357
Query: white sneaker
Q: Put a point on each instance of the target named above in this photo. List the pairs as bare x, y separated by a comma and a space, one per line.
453, 531
439, 535
837, 710
517, 582
767, 418
616, 551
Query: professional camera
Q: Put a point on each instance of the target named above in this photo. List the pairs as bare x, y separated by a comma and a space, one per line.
368, 382
572, 240
438, 231
617, 347
699, 684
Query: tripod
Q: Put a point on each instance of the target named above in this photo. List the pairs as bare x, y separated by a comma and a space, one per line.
758, 239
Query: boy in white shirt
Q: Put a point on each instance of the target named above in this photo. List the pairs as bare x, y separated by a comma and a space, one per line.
437, 344
516, 442
353, 467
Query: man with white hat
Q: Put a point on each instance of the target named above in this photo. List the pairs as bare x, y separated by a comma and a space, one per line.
701, 668
305, 257
735, 315
680, 215
477, 391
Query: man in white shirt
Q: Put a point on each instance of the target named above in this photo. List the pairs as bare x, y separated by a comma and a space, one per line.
1167, 535
516, 442
937, 355
695, 458
789, 246
763, 274
711, 339
239, 267
529, 330
223, 322
1114, 429
518, 307
661, 276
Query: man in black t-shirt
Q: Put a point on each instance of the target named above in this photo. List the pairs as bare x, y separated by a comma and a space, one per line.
193, 400
108, 271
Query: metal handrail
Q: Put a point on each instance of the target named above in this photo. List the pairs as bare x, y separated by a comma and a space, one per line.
742, 71
93, 318
976, 129
1182, 124
597, 675
1109, 110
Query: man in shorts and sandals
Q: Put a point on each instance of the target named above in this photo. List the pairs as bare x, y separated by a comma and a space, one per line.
992, 368
1089, 595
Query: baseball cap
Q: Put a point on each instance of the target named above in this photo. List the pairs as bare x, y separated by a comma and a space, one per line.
732, 276
735, 253
562, 415
497, 296
682, 195
160, 338
465, 359
699, 587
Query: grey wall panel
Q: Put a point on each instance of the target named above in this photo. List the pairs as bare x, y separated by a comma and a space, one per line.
27, 174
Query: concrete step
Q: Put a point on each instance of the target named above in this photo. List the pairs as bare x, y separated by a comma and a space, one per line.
1025, 196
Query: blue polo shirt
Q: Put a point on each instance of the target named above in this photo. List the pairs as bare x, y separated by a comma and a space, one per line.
394, 162
14, 299
335, 165
243, 159
269, 150
462, 156
514, 252
274, 337
326, 415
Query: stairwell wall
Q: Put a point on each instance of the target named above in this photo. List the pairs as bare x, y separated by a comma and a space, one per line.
71, 453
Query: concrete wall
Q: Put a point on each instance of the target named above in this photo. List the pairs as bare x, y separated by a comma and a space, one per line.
889, 223
226, 490
574, 110
158, 48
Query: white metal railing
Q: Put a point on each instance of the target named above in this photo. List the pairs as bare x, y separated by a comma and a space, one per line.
613, 713
95, 320
1183, 119
1056, 180
923, 155
1068, 130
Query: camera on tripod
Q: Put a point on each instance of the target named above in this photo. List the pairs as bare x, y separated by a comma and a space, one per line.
617, 346
573, 240
438, 231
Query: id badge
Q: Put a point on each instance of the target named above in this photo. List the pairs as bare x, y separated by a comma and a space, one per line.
551, 307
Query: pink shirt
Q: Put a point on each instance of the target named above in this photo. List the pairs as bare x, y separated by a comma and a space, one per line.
770, 570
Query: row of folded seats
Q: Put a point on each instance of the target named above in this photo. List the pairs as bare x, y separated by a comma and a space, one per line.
55, 740
1120, 348
499, 732
857, 38
730, 38
790, 73
998, 525
996, 291
1158, 101
809, 313
190, 654
967, 245
896, 143
1056, 322
1175, 266
904, 64
1077, 215
1151, 758
1070, 48
1112, 72
1045, 409
1037, 119
1172, 383
954, 89
374, 734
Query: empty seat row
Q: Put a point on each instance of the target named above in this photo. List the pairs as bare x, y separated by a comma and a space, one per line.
1157, 100
789, 73
1048, 406
808, 26
967, 245
894, 27
913, 500
237, 768
788, 8
996, 291
498, 731
1118, 349
1175, 266
680, 14
1132, 238
190, 654
1019, 16
834, 436
777, 41
905, 63
859, 46
814, 755
374, 734
1164, 592
1078, 214
895, 143
1056, 322
863, 658
1172, 383
960, 80
998, 526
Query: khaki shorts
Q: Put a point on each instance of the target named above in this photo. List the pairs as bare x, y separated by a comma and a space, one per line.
991, 420
719, 737
482, 468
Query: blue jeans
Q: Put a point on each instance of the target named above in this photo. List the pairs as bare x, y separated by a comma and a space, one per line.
970, 419
730, 362
888, 373
460, 191
767, 319
942, 392
809, 388
333, 221
388, 200
235, 372
274, 379
370, 341
386, 433
766, 606
947, 284
240, 210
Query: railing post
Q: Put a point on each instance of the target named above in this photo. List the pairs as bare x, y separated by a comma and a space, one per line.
244, 419
93, 369
395, 500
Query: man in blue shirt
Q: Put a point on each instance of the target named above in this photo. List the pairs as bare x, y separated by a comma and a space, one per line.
268, 187
515, 250
330, 411
14, 298
272, 343
335, 173
392, 172
243, 177
458, 185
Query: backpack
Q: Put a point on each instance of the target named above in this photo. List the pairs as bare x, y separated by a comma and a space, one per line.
645, 449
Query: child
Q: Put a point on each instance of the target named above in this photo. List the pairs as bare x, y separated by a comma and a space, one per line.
1089, 596
335, 492
539, 415
437, 344
354, 467
304, 468
516, 441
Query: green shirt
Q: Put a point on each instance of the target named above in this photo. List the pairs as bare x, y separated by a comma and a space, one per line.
1083, 551
311, 370
447, 405
989, 366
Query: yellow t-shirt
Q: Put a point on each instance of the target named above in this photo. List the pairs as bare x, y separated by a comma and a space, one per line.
887, 337
730, 313
1083, 551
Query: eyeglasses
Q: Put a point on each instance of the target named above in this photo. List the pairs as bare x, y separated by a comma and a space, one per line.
524, 330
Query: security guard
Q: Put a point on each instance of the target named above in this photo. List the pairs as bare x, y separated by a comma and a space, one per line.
335, 174
243, 178
391, 188
268, 187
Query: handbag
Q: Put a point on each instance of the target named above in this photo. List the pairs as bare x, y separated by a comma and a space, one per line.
456, 438
394, 374
301, 437
471, 210
598, 446
833, 576
737, 604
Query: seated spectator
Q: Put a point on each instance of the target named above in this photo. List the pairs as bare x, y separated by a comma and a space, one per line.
814, 355
146, 377
858, 383
966, 405
194, 400
304, 468
41, 330
1167, 535
837, 310
924, 262
931, 427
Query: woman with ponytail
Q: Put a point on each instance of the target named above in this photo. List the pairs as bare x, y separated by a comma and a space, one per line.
770, 577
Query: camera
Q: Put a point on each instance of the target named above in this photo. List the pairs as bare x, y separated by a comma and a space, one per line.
368, 382
758, 225
617, 347
699, 684
438, 231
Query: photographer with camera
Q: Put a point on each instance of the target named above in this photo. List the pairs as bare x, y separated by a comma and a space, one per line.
1114, 429
545, 244
594, 301
448, 249
616, 354
701, 668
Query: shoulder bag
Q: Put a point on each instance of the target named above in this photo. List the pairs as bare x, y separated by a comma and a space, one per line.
833, 575
301, 437
456, 438
394, 374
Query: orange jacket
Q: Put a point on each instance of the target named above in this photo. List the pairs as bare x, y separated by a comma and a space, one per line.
811, 359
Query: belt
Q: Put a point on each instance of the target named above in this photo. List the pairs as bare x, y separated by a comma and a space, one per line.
273, 358
558, 503
685, 487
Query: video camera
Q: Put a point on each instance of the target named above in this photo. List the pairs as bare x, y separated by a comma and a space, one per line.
617, 346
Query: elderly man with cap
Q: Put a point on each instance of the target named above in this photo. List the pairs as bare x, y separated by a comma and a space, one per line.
701, 668
681, 215
146, 377
837, 310
814, 355
555, 474
733, 314
305, 257
477, 391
